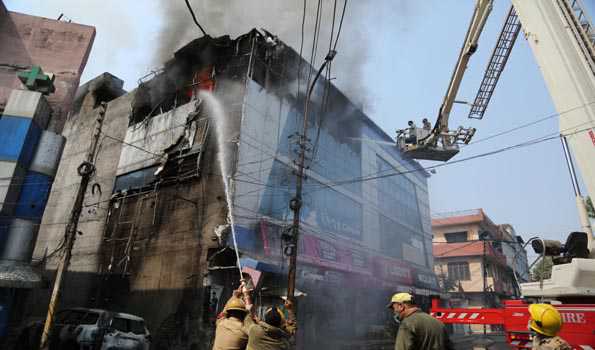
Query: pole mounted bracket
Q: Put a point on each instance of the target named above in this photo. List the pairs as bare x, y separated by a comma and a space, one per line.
295, 203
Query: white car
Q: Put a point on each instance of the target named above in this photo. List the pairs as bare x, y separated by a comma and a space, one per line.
94, 329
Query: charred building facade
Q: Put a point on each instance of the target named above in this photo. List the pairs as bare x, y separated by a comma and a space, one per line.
154, 240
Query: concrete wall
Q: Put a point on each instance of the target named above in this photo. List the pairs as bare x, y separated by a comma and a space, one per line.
499, 279
173, 226
58, 47
78, 133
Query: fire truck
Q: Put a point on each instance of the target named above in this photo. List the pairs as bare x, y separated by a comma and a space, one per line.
562, 39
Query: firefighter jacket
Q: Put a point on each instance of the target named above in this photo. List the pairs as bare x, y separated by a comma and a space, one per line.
420, 331
263, 336
549, 343
231, 333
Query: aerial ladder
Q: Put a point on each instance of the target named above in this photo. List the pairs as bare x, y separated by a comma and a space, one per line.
439, 142
562, 40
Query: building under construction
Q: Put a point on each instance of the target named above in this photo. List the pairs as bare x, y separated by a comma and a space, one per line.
154, 235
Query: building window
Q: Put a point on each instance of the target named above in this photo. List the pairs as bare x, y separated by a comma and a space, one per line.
454, 237
459, 271
328, 251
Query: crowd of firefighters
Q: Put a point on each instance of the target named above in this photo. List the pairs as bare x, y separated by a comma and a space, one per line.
238, 327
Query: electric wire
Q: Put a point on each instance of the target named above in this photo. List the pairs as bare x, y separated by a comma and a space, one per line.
300, 59
482, 155
133, 146
340, 25
194, 18
384, 174
522, 126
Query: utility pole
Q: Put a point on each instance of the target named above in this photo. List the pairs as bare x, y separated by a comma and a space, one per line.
484, 272
295, 204
85, 170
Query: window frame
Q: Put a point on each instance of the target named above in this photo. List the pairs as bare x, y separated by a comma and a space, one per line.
459, 271
457, 234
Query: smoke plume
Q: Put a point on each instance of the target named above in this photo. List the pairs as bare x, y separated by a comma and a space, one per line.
284, 19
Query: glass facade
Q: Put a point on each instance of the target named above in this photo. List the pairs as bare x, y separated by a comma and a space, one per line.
351, 220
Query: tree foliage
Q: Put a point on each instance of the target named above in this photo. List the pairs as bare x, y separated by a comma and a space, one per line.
543, 269
447, 284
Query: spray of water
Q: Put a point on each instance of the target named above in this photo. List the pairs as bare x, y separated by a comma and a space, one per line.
217, 114
378, 142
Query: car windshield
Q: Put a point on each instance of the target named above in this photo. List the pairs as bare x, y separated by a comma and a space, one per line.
137, 327
129, 326
120, 324
77, 317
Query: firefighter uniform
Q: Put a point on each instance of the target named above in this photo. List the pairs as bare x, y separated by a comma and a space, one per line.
263, 336
418, 330
546, 321
232, 333
550, 343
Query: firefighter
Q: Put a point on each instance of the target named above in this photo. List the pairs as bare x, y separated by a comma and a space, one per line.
231, 332
412, 133
546, 322
274, 332
417, 330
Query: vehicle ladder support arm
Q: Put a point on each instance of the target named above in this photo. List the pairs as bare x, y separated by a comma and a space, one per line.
480, 16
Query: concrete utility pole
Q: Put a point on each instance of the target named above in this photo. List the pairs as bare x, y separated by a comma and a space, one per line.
484, 274
295, 204
85, 170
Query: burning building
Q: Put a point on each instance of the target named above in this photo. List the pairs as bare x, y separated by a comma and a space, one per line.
217, 125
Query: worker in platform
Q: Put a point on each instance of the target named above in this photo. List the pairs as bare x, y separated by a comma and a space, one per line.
231, 332
274, 332
417, 330
546, 322
426, 124
427, 128
412, 133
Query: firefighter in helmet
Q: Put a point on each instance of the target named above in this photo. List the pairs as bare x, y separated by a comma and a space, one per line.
546, 322
231, 332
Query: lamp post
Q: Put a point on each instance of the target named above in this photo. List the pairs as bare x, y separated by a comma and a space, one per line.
295, 204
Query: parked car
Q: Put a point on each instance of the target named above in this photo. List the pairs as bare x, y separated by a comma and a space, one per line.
94, 329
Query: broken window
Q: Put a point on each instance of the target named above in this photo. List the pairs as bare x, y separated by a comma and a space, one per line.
136, 179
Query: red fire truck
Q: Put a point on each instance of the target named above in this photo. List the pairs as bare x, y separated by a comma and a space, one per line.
562, 40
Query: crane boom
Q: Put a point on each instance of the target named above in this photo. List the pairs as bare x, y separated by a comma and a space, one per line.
561, 38
440, 143
480, 15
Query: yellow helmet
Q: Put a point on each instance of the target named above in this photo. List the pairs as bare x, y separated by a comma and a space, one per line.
400, 298
235, 303
545, 319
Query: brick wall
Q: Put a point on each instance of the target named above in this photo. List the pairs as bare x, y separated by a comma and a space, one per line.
58, 47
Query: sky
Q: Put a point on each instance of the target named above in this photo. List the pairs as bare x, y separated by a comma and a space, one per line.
395, 58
